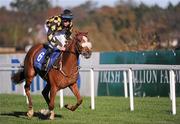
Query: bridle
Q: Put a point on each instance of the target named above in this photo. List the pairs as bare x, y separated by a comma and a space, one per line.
77, 46
77, 50
76, 53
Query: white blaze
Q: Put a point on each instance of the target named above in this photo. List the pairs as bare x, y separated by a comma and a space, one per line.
86, 43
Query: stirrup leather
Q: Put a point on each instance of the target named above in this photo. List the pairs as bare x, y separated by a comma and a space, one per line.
45, 65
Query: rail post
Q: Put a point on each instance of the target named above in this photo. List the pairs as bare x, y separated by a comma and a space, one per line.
173, 91
92, 89
130, 77
125, 84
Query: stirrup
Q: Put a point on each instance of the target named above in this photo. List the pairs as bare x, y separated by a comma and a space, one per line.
44, 67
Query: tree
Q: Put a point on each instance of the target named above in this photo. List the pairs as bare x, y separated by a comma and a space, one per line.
30, 6
127, 3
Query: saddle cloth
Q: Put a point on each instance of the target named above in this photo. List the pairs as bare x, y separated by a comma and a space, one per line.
39, 59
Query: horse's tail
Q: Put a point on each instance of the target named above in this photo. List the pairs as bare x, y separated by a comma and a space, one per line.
18, 77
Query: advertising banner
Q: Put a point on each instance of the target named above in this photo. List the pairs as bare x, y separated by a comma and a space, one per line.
145, 82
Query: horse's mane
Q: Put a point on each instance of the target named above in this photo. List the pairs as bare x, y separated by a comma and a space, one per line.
78, 33
75, 37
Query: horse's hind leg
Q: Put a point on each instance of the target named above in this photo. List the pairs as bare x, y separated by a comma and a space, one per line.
52, 100
30, 106
29, 78
74, 89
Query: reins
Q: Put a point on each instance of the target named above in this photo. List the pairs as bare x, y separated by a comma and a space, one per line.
70, 52
76, 47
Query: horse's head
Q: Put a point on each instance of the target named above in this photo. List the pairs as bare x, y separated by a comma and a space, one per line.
84, 46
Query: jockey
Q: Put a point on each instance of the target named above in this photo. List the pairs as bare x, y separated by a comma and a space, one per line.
59, 30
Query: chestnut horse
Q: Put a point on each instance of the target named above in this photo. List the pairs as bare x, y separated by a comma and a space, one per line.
63, 75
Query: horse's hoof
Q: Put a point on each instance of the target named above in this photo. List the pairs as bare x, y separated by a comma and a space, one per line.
70, 107
30, 113
66, 105
45, 112
52, 114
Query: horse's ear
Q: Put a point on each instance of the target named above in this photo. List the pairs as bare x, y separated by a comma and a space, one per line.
86, 33
76, 32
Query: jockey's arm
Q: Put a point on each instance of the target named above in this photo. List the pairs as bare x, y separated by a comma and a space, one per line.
54, 26
61, 48
50, 39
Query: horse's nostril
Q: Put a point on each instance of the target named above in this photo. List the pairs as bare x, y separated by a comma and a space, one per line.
87, 55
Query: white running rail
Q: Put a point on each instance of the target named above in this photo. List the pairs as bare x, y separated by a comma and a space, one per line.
126, 68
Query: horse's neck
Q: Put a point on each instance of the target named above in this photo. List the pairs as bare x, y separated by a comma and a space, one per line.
70, 59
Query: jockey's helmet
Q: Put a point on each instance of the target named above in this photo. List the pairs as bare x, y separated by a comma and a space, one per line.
67, 15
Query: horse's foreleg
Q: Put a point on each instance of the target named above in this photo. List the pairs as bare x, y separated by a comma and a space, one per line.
74, 89
27, 90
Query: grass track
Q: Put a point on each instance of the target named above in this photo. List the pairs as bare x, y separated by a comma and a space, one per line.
109, 110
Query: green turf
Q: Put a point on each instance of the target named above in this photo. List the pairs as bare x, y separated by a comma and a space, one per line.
109, 110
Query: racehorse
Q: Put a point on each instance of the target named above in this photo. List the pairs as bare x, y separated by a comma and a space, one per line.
64, 73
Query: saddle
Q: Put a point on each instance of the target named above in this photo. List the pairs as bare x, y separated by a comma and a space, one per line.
40, 58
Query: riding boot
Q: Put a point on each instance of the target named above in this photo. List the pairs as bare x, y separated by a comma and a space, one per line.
47, 59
